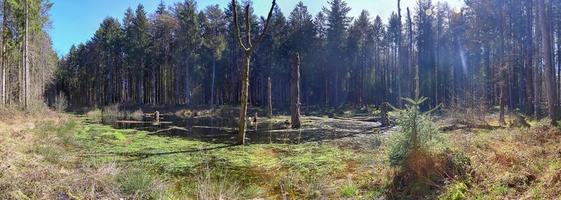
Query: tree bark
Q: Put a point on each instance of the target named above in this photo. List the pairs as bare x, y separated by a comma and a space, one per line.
295, 92
3, 57
269, 98
502, 92
212, 81
26, 58
244, 97
248, 49
547, 53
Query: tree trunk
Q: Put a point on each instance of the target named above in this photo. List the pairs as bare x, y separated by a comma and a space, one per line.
26, 58
153, 85
295, 92
244, 97
502, 92
547, 51
187, 84
269, 97
212, 82
110, 82
140, 84
3, 57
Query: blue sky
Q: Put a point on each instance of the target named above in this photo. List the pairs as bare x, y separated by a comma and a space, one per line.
75, 21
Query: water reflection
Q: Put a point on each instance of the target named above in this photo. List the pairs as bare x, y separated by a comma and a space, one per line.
223, 129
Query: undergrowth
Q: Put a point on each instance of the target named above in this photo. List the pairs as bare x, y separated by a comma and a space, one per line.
70, 158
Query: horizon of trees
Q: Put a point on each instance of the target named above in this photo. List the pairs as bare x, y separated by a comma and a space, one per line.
489, 52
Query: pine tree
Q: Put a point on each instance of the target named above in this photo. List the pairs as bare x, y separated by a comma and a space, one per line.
337, 22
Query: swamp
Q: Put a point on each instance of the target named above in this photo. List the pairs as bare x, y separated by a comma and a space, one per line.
267, 99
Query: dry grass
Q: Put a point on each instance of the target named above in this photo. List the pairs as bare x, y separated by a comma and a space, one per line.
514, 163
35, 162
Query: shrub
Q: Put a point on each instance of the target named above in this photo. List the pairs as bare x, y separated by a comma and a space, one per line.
113, 112
60, 103
95, 115
417, 132
422, 154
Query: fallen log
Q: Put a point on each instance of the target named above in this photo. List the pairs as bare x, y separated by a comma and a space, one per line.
454, 127
139, 122
214, 128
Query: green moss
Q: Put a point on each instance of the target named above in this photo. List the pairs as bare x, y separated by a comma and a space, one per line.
178, 159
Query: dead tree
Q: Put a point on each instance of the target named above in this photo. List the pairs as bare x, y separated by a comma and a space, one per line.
248, 49
295, 92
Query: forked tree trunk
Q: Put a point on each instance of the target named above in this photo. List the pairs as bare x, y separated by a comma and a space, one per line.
247, 49
295, 92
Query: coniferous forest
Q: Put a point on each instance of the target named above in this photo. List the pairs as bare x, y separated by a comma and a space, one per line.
435, 101
488, 52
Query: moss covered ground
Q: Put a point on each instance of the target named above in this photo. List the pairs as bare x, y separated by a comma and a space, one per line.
62, 156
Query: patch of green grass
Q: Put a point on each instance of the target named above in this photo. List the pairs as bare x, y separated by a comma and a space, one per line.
253, 191
349, 191
555, 165
499, 190
50, 153
254, 168
139, 184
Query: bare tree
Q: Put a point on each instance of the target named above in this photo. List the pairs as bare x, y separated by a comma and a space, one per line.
248, 49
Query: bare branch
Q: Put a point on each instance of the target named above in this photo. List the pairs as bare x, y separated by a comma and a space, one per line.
248, 26
237, 27
266, 23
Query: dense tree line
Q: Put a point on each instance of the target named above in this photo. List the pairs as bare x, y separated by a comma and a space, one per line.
490, 52
27, 60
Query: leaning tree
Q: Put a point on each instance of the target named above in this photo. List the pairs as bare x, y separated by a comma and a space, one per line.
248, 49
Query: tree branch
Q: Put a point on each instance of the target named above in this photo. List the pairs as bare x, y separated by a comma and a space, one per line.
237, 27
266, 23
248, 26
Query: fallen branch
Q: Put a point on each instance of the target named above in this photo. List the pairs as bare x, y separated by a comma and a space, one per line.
454, 127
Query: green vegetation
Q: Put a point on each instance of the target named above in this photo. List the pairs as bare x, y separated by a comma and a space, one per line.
151, 166
71, 156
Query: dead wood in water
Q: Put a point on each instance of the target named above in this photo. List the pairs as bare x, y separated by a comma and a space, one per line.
139, 122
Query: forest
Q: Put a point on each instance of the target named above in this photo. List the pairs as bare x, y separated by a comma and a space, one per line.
190, 102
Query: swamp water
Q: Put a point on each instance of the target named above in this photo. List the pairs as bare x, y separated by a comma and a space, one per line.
223, 129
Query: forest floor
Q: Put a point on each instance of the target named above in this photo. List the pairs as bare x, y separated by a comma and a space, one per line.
50, 156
